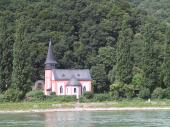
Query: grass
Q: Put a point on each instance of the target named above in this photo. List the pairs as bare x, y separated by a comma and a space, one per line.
52, 105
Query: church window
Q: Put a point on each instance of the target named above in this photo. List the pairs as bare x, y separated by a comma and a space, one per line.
61, 89
75, 90
84, 89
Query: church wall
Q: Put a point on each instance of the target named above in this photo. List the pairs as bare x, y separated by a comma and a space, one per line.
48, 75
86, 84
60, 84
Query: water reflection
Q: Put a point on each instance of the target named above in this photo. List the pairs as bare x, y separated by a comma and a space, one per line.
88, 119
68, 119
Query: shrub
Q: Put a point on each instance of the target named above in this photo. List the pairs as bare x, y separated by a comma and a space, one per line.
13, 95
158, 93
84, 99
138, 79
167, 93
116, 90
129, 91
144, 93
88, 95
2, 98
61, 98
102, 97
35, 95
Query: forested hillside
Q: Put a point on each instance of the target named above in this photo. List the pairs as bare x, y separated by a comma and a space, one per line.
124, 43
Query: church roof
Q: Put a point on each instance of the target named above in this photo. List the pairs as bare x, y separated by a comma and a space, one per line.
73, 81
67, 74
50, 57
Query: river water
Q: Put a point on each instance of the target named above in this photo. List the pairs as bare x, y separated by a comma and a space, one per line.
87, 119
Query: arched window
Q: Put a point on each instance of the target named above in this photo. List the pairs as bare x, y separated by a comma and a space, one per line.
61, 89
84, 89
75, 90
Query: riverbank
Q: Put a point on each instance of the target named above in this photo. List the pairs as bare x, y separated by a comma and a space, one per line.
121, 105
87, 109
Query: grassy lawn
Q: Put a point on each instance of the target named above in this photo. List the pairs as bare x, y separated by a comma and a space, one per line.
52, 105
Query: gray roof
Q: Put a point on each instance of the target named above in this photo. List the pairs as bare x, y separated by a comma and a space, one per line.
73, 81
67, 74
50, 57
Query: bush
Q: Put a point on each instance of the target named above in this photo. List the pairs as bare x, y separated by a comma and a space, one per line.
102, 97
61, 98
167, 93
116, 90
158, 93
88, 95
138, 79
129, 91
13, 95
83, 99
2, 98
144, 93
35, 95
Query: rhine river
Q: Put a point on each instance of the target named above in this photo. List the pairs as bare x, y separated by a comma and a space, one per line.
87, 119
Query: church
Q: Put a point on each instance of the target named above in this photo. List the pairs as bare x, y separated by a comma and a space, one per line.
65, 81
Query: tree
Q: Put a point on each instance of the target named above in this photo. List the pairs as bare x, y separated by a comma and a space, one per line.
150, 57
166, 64
99, 78
123, 62
21, 60
6, 43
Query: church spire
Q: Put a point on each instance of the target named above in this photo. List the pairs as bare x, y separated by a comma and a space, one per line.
50, 60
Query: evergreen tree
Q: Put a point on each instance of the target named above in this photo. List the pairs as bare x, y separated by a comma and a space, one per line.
21, 60
166, 64
123, 62
150, 58
6, 43
99, 77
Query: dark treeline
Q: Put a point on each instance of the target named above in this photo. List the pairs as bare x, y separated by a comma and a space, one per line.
124, 43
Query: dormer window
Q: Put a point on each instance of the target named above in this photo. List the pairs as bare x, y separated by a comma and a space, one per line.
78, 75
63, 75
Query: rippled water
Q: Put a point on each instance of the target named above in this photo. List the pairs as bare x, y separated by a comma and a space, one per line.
88, 119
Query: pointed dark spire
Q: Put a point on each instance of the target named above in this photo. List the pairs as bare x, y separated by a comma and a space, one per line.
50, 60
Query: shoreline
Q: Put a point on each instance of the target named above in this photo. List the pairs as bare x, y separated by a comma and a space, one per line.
87, 109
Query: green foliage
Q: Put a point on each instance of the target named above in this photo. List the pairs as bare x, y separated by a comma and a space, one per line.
166, 63
13, 95
97, 98
2, 98
158, 93
60, 99
123, 62
88, 95
144, 93
102, 97
150, 56
120, 90
36, 95
110, 37
116, 90
167, 93
99, 78
21, 60
138, 79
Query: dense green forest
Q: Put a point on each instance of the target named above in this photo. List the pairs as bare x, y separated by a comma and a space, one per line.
124, 43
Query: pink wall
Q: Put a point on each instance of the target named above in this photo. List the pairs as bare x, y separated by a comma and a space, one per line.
48, 75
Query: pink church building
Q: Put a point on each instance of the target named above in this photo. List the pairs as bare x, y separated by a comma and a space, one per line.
65, 81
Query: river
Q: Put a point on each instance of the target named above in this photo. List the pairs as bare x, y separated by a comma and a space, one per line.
87, 119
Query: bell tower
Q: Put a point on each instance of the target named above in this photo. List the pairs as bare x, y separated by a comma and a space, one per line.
50, 64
